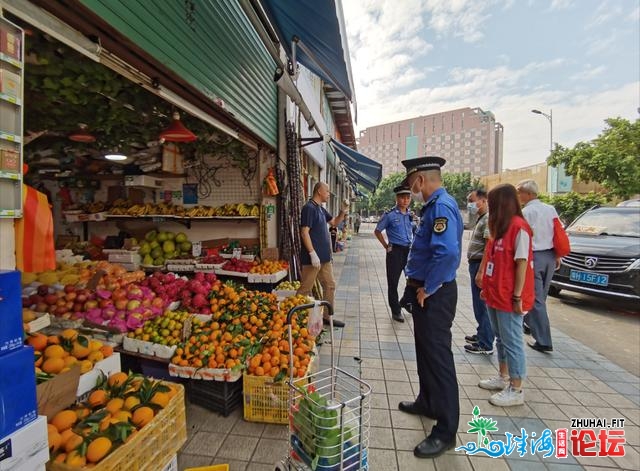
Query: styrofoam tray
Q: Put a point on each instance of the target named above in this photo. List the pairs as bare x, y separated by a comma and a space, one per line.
207, 374
148, 348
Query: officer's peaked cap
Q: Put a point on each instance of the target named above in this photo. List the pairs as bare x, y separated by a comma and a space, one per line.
402, 190
420, 164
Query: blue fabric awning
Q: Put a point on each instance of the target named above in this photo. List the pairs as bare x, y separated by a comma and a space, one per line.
360, 169
319, 30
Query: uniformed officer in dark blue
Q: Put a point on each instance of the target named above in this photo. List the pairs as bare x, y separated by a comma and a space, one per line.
397, 224
431, 296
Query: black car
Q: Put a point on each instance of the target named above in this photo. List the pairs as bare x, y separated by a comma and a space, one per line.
605, 254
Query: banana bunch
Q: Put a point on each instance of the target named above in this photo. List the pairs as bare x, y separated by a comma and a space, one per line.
121, 203
139, 209
244, 210
119, 211
255, 210
199, 212
96, 207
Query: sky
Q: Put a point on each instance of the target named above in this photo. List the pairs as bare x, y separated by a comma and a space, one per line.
578, 58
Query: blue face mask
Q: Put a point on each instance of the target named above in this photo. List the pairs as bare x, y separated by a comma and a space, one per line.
472, 207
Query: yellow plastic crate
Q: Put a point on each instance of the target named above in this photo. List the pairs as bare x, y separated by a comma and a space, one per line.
215, 467
152, 447
266, 400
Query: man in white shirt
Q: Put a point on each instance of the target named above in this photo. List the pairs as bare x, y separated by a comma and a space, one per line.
540, 217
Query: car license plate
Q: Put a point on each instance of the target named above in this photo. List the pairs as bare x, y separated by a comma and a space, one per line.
590, 278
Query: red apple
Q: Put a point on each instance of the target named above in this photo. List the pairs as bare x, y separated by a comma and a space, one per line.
105, 303
61, 302
69, 289
119, 293
71, 296
78, 307
60, 310
81, 297
69, 305
42, 307
51, 299
121, 304
43, 290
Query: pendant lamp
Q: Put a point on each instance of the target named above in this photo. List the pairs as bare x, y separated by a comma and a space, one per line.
176, 132
81, 134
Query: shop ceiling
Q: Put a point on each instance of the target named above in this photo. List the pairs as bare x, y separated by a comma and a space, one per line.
63, 89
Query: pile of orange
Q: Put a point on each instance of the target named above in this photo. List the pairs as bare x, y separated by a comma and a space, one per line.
247, 330
267, 267
83, 435
55, 354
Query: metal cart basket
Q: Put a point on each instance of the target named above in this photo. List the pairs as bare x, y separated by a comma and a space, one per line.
329, 415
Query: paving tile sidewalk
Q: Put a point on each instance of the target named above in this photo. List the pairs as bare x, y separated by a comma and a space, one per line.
573, 381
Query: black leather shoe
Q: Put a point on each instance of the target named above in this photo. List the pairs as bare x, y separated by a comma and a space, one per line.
336, 322
432, 447
540, 348
411, 407
397, 317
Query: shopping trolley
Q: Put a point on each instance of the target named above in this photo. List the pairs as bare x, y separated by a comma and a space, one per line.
329, 415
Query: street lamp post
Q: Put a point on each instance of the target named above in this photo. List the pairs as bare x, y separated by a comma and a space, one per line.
550, 118
553, 180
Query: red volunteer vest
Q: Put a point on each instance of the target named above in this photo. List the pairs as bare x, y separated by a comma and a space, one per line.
498, 288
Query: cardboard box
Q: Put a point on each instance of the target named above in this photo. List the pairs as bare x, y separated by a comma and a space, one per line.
58, 393
26, 449
10, 311
9, 83
10, 42
172, 160
64, 389
143, 181
9, 161
17, 390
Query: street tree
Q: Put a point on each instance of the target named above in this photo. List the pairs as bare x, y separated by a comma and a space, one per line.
612, 159
384, 197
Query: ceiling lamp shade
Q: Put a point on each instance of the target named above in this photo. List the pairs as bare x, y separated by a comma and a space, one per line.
115, 156
176, 132
82, 135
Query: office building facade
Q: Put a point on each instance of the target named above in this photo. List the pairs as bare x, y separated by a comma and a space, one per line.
470, 139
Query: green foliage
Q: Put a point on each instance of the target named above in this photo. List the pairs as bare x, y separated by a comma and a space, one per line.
65, 89
384, 197
612, 159
459, 185
570, 205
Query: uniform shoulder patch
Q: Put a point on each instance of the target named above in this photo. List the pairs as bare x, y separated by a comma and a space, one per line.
440, 225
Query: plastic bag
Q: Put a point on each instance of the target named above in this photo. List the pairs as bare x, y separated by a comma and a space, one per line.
314, 325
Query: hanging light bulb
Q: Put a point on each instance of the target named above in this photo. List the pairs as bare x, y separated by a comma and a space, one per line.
177, 132
81, 134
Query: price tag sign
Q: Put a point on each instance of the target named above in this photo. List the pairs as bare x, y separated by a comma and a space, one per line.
237, 253
196, 249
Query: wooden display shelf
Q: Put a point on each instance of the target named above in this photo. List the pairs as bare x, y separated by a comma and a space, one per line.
14, 213
10, 99
10, 60
10, 137
10, 175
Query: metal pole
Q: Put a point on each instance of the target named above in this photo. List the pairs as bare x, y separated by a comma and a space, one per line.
550, 117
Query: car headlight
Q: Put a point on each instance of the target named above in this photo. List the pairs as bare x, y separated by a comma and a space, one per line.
635, 265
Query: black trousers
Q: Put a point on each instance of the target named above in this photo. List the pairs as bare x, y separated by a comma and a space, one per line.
436, 368
396, 261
